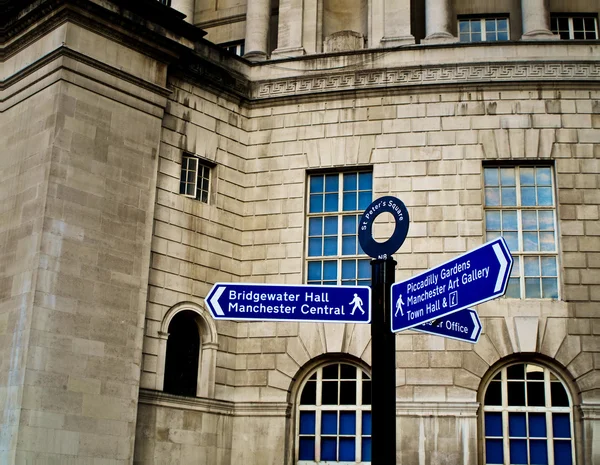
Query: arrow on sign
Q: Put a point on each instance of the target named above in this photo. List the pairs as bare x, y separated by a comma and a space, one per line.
470, 279
463, 325
279, 302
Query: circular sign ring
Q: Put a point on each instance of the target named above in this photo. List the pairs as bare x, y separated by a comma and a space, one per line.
382, 250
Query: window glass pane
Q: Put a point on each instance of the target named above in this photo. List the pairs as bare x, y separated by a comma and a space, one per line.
516, 394
365, 181
532, 266
348, 269
366, 423
350, 201
350, 182
364, 200
546, 220
307, 422
547, 242
543, 176
348, 423
502, 35
530, 242
537, 425
516, 371
317, 183
492, 196
476, 26
349, 225
528, 196
314, 271
329, 271
490, 177
331, 225
463, 26
518, 451
494, 451
329, 422
316, 203
509, 196
559, 395
347, 449
307, 449
549, 266
330, 248
536, 395
331, 202
348, 247
549, 288
527, 176
330, 372
530, 220
330, 393
492, 220
544, 196
328, 449
493, 394
517, 426
309, 394
538, 451
513, 289
315, 226
332, 183
366, 393
507, 177
348, 392
561, 425
532, 288
562, 452
493, 424
364, 269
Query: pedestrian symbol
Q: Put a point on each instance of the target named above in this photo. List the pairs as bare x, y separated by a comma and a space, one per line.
399, 304
358, 303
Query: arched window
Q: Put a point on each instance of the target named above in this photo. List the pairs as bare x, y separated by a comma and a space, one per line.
333, 420
527, 417
183, 349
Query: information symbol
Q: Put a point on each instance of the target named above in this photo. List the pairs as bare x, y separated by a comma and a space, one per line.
454, 299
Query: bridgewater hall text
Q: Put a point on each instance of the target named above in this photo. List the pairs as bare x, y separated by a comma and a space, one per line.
283, 302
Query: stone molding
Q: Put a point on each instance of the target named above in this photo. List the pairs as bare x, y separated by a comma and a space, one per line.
590, 411
437, 409
468, 73
222, 407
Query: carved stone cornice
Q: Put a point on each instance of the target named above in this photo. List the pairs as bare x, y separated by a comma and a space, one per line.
426, 75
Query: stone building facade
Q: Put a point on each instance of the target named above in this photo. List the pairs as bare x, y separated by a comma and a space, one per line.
143, 161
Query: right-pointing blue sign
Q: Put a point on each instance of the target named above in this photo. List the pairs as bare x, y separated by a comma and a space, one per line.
470, 279
463, 325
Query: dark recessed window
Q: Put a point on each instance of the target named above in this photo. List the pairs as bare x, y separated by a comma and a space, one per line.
183, 352
575, 27
195, 178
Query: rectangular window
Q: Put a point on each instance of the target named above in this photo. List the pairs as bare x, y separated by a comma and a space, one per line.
483, 29
335, 203
520, 206
575, 27
195, 178
237, 47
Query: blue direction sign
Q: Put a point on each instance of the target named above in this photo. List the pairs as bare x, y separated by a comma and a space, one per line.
278, 302
463, 325
474, 277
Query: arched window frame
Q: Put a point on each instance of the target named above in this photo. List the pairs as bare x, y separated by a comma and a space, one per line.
207, 355
302, 378
553, 367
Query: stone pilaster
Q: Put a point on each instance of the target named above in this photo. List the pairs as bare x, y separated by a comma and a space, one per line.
536, 20
391, 23
289, 38
257, 29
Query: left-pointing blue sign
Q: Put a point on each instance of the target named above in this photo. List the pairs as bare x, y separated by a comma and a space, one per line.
278, 302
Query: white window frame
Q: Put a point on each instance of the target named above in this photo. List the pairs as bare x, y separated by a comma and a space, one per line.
548, 410
571, 29
237, 47
483, 31
201, 171
519, 208
318, 408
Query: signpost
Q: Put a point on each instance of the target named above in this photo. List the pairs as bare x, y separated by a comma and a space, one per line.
281, 302
463, 325
472, 278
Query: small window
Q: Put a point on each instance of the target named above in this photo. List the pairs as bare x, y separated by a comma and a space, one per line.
195, 178
183, 353
488, 29
527, 418
575, 27
334, 416
237, 47
520, 206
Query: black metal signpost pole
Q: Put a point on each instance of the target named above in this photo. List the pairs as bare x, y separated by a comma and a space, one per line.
383, 365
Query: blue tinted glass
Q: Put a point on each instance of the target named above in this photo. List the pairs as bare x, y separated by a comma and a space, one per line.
510, 221
307, 449
532, 288
476, 37
347, 449
463, 26
549, 288
492, 220
507, 177
331, 226
494, 453
476, 26
490, 25
543, 176
532, 266
492, 196
546, 219
518, 451
490, 176
315, 226
502, 24
537, 425
332, 182
348, 423
331, 202
316, 203
513, 290
509, 196
549, 266
538, 451
329, 423
512, 240
307, 422
364, 200
329, 271
530, 221
491, 36
316, 183
364, 269
547, 241
348, 269
544, 195
315, 247
349, 245
350, 182
562, 452
502, 35
530, 241
493, 424
366, 449
365, 181
527, 176
314, 271
528, 196
328, 447
349, 201
561, 425
516, 425
349, 225
366, 423
330, 246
